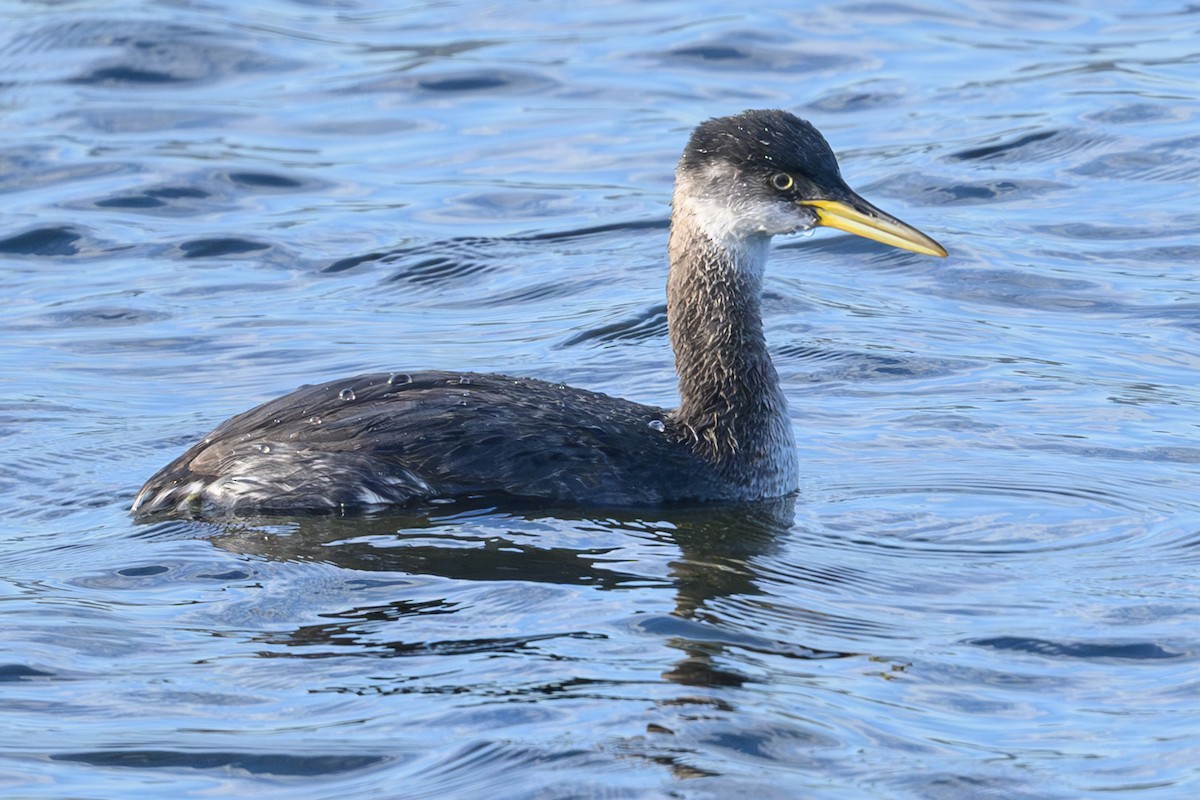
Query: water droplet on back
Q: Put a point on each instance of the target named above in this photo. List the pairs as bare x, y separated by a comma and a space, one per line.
346, 394
399, 379
657, 424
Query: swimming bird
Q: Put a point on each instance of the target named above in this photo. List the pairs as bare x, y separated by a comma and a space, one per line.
406, 437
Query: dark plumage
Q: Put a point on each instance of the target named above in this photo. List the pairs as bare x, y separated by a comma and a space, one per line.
394, 438
759, 143
391, 438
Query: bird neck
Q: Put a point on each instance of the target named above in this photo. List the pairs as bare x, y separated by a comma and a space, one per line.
731, 405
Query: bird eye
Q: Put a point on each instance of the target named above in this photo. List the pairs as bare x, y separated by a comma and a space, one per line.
782, 181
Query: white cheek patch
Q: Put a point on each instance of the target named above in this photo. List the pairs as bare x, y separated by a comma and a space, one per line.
721, 219
726, 208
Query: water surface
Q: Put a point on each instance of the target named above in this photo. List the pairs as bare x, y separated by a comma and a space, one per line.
985, 588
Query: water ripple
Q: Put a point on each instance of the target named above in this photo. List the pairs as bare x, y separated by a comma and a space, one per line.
1103, 651
742, 51
1039, 145
985, 587
281, 764
54, 241
471, 81
1171, 161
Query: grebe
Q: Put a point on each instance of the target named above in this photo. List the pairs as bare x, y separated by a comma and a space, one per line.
403, 437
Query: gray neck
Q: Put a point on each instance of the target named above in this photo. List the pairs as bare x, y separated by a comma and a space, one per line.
732, 408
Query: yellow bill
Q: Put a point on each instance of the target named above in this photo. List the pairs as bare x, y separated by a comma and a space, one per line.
872, 223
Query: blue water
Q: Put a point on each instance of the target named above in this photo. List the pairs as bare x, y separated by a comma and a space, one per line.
987, 586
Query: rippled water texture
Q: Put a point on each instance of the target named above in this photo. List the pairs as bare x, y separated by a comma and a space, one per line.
986, 588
